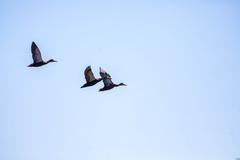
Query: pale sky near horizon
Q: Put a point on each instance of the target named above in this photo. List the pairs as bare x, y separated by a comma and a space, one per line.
179, 59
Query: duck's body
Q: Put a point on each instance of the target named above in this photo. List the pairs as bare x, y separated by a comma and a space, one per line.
107, 81
105, 88
37, 57
38, 64
90, 78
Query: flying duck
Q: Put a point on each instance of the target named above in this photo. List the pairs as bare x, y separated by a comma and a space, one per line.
37, 58
107, 81
90, 79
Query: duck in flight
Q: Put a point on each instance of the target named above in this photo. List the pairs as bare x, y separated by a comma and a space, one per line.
107, 81
37, 58
90, 78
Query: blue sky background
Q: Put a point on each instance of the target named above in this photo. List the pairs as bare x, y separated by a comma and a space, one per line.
179, 59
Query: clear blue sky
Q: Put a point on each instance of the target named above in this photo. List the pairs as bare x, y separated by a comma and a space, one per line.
179, 59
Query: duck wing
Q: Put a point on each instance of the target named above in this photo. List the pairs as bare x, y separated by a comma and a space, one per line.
89, 74
107, 80
36, 54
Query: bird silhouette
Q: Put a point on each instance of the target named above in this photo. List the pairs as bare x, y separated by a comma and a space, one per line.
90, 78
37, 58
107, 81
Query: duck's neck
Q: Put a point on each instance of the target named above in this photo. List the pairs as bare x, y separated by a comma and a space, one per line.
117, 85
48, 61
120, 84
51, 60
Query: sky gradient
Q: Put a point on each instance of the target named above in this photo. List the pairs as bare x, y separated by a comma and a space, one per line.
179, 59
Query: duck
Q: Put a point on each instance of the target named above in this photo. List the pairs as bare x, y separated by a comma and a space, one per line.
107, 81
37, 57
90, 78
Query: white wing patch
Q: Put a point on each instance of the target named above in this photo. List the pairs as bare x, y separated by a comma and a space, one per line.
104, 74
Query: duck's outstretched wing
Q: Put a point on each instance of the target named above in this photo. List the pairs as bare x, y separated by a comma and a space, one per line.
107, 80
104, 74
89, 74
36, 54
